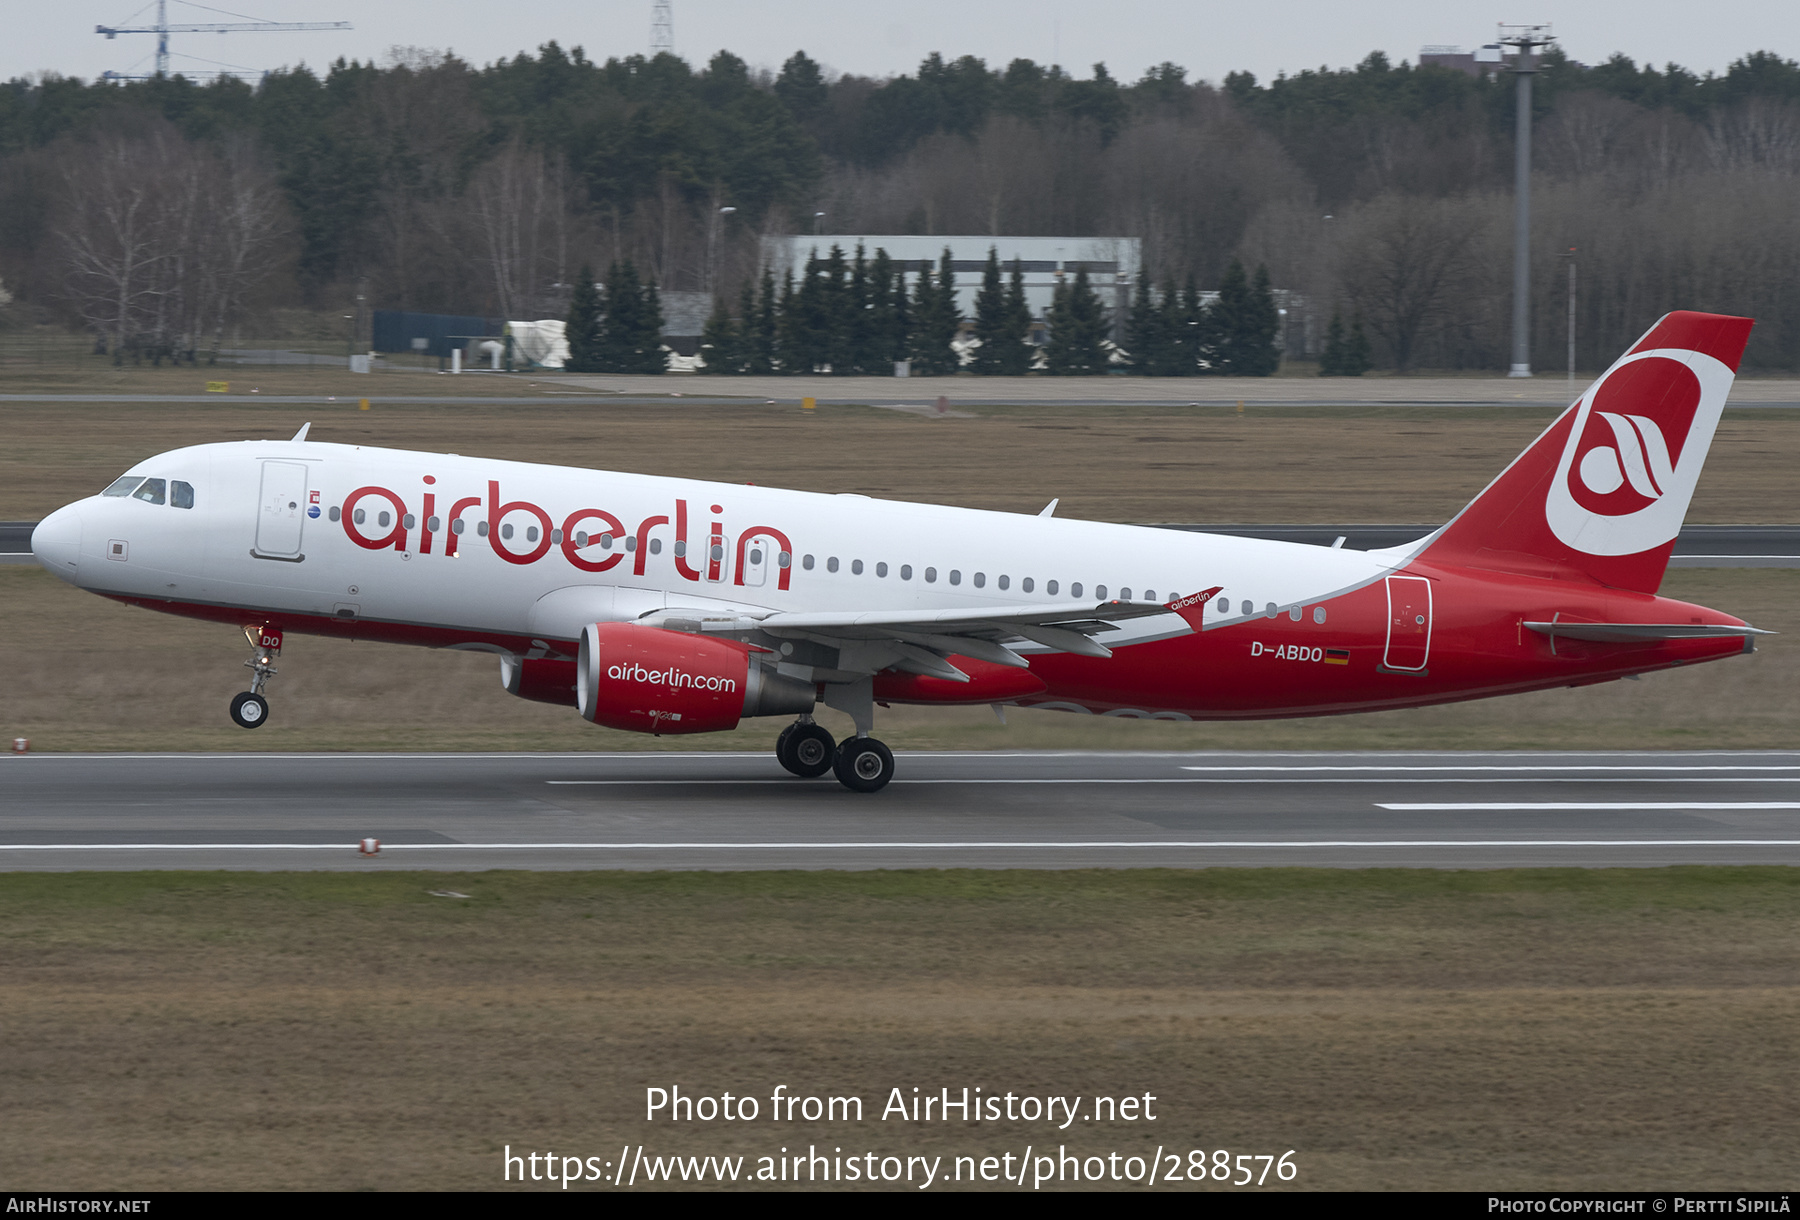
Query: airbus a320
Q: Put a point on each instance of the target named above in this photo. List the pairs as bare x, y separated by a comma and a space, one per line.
670, 605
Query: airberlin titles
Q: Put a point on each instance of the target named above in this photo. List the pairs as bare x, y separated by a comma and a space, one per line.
580, 530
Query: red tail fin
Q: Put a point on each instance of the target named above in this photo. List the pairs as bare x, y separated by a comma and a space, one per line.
1602, 493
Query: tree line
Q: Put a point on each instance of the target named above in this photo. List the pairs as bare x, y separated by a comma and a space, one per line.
855, 314
1378, 191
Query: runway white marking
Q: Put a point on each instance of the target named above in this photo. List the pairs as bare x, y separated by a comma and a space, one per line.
1196, 779
1530, 767
1450, 807
386, 848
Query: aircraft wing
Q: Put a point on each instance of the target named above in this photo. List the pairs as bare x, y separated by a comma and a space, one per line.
921, 639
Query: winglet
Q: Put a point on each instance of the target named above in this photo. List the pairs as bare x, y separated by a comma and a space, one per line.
1049, 510
1192, 608
301, 435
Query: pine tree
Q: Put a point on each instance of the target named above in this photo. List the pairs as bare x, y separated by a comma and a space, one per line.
902, 333
1146, 335
1332, 359
719, 341
834, 316
1015, 339
990, 319
582, 330
859, 346
1358, 358
949, 315
789, 356
884, 345
1258, 349
619, 325
1078, 327
934, 321
1199, 348
759, 336
1227, 319
647, 352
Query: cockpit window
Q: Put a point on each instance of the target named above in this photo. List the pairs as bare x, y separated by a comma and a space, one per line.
150, 493
181, 495
124, 486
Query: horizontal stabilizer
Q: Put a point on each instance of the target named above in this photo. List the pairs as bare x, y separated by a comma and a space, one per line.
1631, 633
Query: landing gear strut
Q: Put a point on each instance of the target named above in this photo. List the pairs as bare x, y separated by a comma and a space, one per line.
805, 749
249, 709
862, 764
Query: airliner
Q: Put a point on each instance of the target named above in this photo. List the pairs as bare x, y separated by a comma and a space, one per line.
673, 605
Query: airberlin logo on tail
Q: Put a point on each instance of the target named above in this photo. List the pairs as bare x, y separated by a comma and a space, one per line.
1634, 452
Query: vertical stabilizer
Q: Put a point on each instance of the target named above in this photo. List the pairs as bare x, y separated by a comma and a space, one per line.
1601, 495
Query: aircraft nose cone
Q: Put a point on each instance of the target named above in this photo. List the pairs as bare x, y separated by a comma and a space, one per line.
56, 542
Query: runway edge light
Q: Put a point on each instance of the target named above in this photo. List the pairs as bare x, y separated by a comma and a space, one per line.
369, 847
21, 745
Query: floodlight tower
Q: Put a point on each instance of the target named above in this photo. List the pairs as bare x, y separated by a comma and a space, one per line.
1523, 39
662, 28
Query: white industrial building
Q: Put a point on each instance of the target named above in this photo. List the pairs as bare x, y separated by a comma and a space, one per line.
1112, 262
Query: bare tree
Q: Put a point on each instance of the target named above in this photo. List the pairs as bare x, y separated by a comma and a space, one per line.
1402, 266
116, 230
162, 240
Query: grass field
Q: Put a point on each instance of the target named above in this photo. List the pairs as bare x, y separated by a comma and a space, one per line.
1119, 463
1625, 1029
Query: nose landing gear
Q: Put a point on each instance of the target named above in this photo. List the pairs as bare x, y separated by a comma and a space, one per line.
249, 710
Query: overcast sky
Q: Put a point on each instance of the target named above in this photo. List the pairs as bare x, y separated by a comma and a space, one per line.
882, 39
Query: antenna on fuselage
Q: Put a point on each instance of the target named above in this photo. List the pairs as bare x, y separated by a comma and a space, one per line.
301, 435
1050, 508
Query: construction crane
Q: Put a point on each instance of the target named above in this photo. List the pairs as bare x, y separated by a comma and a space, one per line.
162, 29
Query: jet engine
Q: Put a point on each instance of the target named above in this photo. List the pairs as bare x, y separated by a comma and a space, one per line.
541, 681
650, 680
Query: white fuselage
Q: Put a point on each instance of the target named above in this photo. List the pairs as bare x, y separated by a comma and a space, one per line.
242, 545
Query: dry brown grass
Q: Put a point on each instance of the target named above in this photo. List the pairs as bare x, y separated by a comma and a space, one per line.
1632, 1029
1126, 463
78, 672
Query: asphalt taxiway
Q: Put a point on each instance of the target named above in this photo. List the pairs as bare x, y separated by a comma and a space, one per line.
987, 810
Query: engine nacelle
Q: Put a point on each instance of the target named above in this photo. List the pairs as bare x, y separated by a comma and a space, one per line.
650, 680
542, 681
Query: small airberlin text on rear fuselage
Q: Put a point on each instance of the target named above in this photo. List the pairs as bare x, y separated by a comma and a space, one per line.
675, 679
581, 529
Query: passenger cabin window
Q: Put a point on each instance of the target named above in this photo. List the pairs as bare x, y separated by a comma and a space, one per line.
181, 495
1026, 584
1075, 589
1318, 614
150, 491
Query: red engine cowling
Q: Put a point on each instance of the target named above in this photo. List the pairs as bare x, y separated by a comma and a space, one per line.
648, 680
542, 681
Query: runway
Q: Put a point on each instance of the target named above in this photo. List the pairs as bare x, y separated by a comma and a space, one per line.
1000, 810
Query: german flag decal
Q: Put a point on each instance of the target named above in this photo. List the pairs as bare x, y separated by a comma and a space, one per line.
1337, 656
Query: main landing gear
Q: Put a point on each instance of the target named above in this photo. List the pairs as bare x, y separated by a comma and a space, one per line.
861, 764
249, 709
